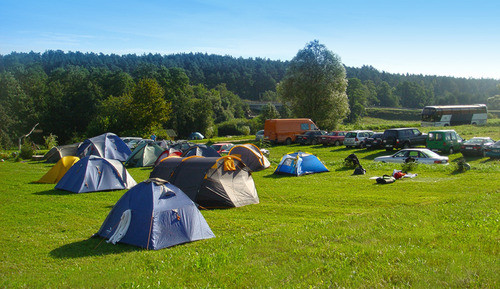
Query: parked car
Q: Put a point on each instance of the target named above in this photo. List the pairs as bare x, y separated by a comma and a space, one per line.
259, 135
195, 135
335, 138
419, 155
309, 137
493, 151
476, 146
374, 141
356, 138
446, 141
396, 138
222, 148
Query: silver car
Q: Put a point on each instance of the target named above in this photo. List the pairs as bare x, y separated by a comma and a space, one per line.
356, 138
419, 155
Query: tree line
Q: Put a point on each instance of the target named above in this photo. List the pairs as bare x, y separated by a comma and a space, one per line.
74, 95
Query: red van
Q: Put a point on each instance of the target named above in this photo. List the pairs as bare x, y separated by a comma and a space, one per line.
286, 129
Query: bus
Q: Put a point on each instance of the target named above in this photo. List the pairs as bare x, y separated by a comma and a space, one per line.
447, 115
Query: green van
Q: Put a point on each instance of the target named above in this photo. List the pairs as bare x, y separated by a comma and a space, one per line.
447, 141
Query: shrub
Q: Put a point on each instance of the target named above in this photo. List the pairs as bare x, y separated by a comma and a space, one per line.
27, 150
234, 127
462, 166
50, 141
409, 166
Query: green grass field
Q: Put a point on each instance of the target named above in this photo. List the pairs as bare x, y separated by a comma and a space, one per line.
440, 229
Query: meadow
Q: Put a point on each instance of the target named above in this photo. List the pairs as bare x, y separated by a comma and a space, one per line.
334, 229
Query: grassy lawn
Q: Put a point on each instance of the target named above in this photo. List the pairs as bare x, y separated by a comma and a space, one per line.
439, 229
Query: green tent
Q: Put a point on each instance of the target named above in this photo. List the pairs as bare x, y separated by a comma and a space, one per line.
144, 155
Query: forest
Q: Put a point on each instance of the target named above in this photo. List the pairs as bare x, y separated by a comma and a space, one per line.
73, 95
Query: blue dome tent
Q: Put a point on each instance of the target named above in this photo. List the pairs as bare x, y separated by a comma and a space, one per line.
300, 163
154, 215
92, 174
107, 145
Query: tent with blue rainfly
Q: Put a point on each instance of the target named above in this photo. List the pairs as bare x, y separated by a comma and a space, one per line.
201, 150
107, 145
154, 215
92, 174
300, 163
144, 155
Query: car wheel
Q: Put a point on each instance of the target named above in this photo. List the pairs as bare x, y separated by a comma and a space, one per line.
288, 141
337, 143
314, 142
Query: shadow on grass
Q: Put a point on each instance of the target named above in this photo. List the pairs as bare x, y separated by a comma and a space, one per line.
54, 192
91, 247
278, 176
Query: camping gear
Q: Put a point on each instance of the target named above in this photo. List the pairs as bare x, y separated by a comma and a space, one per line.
359, 170
202, 151
210, 182
93, 173
251, 155
300, 163
56, 153
385, 179
154, 215
144, 155
107, 145
352, 160
58, 170
168, 153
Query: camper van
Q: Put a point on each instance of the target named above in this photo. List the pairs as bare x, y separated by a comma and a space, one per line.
285, 130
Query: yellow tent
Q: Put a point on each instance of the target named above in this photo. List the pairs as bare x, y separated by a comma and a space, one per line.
58, 170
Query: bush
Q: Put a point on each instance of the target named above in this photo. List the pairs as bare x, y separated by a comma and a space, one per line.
409, 166
234, 127
27, 150
462, 166
50, 141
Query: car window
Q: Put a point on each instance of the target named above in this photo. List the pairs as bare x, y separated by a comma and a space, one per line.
416, 132
304, 126
390, 133
422, 155
400, 154
413, 154
350, 135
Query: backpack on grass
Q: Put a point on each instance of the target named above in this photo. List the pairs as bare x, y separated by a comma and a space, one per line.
385, 179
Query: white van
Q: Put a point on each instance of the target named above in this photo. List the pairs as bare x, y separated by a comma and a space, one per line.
356, 138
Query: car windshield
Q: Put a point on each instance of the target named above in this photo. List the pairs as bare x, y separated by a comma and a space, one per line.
377, 135
350, 135
497, 144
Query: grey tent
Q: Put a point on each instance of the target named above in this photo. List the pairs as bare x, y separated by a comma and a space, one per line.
251, 156
57, 153
210, 182
144, 155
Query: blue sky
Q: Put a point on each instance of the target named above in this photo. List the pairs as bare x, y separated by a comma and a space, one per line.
451, 38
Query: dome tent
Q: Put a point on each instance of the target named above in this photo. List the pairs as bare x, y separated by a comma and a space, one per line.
300, 163
56, 153
251, 156
202, 151
58, 170
210, 182
92, 174
107, 145
144, 155
154, 215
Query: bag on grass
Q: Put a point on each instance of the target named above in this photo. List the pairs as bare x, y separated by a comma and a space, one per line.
385, 179
359, 170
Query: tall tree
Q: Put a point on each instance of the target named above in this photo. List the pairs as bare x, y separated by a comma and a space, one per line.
315, 86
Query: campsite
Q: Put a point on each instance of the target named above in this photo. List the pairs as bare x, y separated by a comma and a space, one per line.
332, 229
